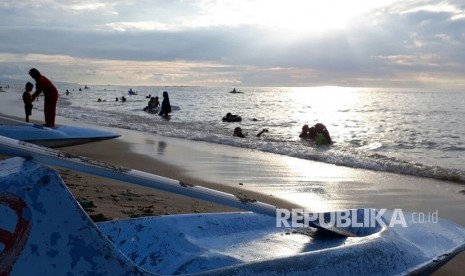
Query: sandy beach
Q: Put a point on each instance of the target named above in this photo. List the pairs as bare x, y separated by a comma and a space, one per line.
115, 200
280, 180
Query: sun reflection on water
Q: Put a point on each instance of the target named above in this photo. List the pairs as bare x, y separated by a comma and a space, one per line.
317, 186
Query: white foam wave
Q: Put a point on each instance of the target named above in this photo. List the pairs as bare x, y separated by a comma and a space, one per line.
356, 145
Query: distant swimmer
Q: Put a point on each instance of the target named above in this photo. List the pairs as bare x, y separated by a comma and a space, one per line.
238, 132
318, 133
231, 118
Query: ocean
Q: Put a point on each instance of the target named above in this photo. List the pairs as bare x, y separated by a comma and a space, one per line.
405, 131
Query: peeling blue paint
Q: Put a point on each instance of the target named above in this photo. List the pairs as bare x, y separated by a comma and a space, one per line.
34, 249
80, 250
54, 237
52, 253
64, 241
44, 180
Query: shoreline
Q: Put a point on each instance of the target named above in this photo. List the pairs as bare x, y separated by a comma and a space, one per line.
108, 199
105, 193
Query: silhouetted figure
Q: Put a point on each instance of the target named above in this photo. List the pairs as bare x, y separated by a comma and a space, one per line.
27, 99
165, 105
50, 96
318, 133
231, 118
238, 132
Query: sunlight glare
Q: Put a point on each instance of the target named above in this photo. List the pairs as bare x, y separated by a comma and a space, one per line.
294, 15
320, 103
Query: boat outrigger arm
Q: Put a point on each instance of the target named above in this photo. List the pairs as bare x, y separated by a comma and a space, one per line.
57, 158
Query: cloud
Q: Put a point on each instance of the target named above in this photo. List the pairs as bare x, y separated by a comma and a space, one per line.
174, 42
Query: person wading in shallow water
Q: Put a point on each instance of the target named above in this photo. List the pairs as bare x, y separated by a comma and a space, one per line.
165, 105
318, 133
238, 132
50, 96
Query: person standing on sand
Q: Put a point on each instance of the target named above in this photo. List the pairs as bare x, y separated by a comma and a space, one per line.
165, 105
27, 99
43, 84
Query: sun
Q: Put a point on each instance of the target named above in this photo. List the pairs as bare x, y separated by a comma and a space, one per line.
292, 15
301, 15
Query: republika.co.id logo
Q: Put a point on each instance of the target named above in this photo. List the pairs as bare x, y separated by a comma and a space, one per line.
359, 218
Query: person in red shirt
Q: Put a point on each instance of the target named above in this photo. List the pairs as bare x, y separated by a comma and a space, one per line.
50, 96
27, 99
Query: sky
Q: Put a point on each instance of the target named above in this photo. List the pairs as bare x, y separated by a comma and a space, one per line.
234, 43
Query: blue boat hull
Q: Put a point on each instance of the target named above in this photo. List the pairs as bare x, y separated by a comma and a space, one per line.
60, 136
49, 234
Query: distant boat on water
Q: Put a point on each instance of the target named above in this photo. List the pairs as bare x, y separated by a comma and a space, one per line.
234, 91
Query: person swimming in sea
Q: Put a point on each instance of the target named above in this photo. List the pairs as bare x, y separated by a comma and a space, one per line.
152, 104
318, 133
238, 132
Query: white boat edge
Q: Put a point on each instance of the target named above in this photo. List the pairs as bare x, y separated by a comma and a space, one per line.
425, 247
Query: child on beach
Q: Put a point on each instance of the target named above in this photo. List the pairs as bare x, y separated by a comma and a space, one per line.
27, 99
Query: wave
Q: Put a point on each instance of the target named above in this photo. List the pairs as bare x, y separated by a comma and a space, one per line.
350, 154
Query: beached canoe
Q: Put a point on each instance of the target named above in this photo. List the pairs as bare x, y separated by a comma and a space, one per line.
44, 230
59, 136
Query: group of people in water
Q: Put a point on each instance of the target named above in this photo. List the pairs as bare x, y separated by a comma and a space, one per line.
317, 133
154, 103
45, 86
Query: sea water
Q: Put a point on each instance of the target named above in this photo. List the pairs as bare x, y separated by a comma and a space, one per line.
407, 131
